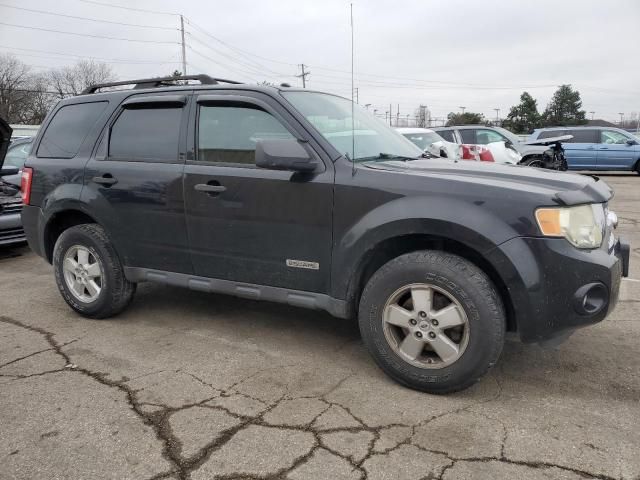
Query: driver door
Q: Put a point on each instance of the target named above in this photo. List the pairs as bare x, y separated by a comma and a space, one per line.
248, 224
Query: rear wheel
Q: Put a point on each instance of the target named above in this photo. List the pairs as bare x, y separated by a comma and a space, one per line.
89, 273
433, 321
534, 161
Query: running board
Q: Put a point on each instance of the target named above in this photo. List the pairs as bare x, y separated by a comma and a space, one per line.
296, 298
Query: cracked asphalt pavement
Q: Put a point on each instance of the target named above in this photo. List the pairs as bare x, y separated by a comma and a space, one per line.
186, 385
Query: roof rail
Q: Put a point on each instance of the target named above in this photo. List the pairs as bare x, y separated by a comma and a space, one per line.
158, 82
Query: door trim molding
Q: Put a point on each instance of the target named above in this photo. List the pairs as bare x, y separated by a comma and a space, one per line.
297, 298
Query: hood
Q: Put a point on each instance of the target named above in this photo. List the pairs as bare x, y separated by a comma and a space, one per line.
563, 188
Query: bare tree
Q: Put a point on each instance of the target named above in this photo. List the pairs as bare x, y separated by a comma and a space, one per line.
14, 79
39, 101
68, 81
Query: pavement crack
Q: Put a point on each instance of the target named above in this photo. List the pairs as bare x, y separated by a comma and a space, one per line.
25, 356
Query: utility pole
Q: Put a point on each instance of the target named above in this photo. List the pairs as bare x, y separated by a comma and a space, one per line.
355, 91
621, 119
390, 114
497, 116
398, 116
184, 50
592, 114
463, 109
303, 75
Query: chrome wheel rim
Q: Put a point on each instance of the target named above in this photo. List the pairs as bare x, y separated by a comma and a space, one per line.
425, 326
83, 273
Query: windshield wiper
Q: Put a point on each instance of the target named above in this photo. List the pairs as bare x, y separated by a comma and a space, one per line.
387, 156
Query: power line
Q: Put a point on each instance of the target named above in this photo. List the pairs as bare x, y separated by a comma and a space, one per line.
157, 12
90, 57
88, 35
44, 12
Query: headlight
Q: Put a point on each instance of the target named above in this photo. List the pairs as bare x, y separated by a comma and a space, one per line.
583, 226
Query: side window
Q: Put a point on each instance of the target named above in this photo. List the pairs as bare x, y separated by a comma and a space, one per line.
484, 137
17, 155
583, 136
227, 133
468, 135
68, 129
447, 135
611, 136
146, 134
551, 134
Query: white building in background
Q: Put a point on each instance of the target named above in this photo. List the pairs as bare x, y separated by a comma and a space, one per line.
24, 130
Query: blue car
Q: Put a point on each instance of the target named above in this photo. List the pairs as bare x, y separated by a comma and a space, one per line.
596, 148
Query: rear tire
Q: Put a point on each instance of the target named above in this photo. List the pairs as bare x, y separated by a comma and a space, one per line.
89, 273
463, 314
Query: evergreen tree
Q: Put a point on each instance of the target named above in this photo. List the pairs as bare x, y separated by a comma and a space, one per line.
467, 118
524, 117
565, 108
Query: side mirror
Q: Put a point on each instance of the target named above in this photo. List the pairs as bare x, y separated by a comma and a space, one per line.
8, 170
284, 154
631, 142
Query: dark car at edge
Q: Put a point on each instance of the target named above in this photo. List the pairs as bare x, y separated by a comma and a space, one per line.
276, 193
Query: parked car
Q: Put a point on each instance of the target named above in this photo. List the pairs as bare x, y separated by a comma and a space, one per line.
429, 141
483, 135
264, 193
596, 148
11, 230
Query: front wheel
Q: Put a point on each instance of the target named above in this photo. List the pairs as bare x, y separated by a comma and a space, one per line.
89, 273
432, 321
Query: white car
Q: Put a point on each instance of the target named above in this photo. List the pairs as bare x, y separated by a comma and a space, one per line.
430, 142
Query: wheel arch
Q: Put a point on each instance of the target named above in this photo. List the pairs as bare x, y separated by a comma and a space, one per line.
60, 221
392, 247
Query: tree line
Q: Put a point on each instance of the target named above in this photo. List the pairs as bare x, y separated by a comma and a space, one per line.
565, 108
26, 96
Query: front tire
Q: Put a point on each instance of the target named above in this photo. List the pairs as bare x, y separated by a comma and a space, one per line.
89, 273
432, 321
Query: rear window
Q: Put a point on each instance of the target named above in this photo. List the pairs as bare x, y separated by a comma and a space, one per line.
468, 136
583, 136
447, 135
68, 129
551, 133
146, 134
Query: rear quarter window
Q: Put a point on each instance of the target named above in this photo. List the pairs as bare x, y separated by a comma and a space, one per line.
447, 135
584, 136
551, 134
68, 129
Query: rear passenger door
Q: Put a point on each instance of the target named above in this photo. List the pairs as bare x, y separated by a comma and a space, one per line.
134, 181
261, 226
581, 151
614, 153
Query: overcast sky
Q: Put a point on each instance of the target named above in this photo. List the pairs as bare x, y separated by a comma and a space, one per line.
442, 53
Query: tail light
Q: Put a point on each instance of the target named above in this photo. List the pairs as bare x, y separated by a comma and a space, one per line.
25, 184
467, 153
485, 155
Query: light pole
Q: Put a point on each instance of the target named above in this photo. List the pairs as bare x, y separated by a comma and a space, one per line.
621, 119
497, 110
367, 105
463, 109
592, 114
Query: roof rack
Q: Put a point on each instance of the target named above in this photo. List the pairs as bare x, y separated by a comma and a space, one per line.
159, 82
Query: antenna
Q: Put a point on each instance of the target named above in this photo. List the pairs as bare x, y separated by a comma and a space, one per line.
353, 124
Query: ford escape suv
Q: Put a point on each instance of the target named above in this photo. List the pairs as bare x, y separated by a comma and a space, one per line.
276, 193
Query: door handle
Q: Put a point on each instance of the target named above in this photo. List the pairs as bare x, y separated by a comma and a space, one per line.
106, 180
211, 189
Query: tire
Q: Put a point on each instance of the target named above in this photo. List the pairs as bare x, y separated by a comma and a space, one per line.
474, 300
533, 161
110, 292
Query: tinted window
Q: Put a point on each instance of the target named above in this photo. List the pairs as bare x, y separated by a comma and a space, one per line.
447, 135
611, 136
228, 133
551, 134
583, 136
146, 133
468, 136
68, 129
484, 137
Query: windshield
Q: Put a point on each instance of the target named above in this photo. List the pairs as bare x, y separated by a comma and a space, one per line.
423, 139
17, 154
511, 136
331, 116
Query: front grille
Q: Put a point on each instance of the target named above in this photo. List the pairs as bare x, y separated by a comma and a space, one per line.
9, 208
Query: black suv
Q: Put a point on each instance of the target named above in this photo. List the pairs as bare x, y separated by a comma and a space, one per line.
280, 194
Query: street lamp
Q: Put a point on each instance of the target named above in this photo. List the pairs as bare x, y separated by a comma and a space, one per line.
463, 109
621, 118
367, 105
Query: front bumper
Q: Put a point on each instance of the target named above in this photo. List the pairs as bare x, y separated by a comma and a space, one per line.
547, 280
